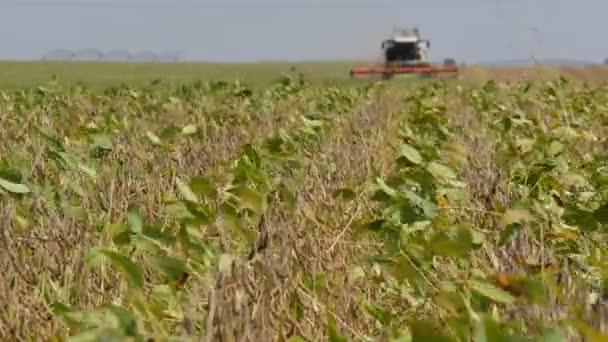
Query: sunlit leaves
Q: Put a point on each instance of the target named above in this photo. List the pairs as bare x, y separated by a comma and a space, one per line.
134, 220
440, 170
154, 139
410, 153
185, 190
13, 187
492, 292
189, 130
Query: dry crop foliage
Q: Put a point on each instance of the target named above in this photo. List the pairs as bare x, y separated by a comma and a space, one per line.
442, 212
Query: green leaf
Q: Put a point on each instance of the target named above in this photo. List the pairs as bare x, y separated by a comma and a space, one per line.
13, 187
101, 141
581, 217
169, 132
126, 320
601, 214
235, 222
87, 170
189, 130
429, 208
488, 330
203, 186
153, 138
382, 186
516, 216
410, 154
249, 198
344, 193
127, 267
425, 331
443, 245
332, 331
171, 267
185, 190
440, 170
373, 226
509, 233
492, 292
134, 220
201, 214
287, 196
552, 335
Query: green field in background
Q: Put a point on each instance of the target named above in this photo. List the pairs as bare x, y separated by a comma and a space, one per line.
103, 74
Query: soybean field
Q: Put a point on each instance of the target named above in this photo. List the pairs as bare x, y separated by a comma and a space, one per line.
296, 210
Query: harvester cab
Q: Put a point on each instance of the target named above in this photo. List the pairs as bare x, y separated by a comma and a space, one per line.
405, 47
406, 53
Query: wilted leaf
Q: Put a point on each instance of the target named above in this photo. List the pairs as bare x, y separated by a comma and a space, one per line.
13, 187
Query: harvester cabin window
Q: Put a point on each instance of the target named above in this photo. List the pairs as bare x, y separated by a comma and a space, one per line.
402, 52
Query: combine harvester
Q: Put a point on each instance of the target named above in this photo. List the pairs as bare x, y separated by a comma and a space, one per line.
405, 55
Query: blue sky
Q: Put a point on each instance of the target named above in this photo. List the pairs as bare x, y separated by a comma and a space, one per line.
248, 30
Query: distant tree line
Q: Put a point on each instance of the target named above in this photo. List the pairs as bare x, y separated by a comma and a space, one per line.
116, 55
